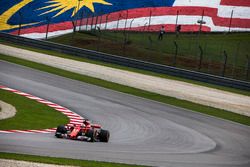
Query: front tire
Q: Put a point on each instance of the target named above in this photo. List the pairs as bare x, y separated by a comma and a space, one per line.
60, 131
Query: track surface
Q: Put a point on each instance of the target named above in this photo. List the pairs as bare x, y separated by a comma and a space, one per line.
142, 131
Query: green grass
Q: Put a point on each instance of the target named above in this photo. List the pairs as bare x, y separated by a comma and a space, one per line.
235, 44
238, 91
133, 91
30, 114
61, 161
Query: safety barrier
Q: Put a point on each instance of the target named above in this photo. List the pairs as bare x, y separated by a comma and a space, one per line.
94, 55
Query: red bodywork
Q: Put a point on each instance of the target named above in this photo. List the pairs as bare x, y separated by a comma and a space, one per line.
84, 132
75, 130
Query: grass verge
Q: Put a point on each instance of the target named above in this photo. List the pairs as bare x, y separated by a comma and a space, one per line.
145, 46
61, 161
30, 114
133, 91
72, 57
140, 44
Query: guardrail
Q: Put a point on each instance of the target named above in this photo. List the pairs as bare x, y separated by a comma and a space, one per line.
94, 55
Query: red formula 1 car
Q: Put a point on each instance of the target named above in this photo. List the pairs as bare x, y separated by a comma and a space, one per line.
85, 132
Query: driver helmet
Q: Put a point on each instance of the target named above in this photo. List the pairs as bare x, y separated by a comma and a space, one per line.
85, 121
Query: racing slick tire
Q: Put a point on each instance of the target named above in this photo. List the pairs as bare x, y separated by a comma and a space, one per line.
60, 131
104, 135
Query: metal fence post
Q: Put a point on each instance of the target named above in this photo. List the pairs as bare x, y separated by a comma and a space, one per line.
74, 21
117, 26
96, 21
176, 52
130, 27
149, 22
225, 63
248, 67
74, 26
77, 12
131, 24
81, 21
176, 22
201, 22
74, 30
20, 23
199, 33
201, 57
107, 16
126, 22
124, 33
230, 23
200, 28
144, 27
92, 19
99, 38
87, 22
100, 24
47, 29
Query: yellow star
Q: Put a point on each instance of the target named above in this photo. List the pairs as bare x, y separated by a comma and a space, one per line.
65, 5
89, 3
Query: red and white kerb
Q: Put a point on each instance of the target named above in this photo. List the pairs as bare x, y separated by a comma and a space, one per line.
74, 118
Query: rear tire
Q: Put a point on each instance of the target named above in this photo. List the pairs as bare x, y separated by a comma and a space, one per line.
104, 135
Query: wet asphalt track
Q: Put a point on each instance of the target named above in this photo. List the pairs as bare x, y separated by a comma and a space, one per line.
142, 131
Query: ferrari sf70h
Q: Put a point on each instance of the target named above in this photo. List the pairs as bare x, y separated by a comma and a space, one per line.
85, 132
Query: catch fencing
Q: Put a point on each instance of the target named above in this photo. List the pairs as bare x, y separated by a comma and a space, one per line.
128, 62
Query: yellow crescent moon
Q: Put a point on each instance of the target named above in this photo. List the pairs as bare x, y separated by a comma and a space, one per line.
4, 18
61, 5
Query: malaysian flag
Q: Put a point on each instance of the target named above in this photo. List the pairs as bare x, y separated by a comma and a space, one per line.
31, 17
